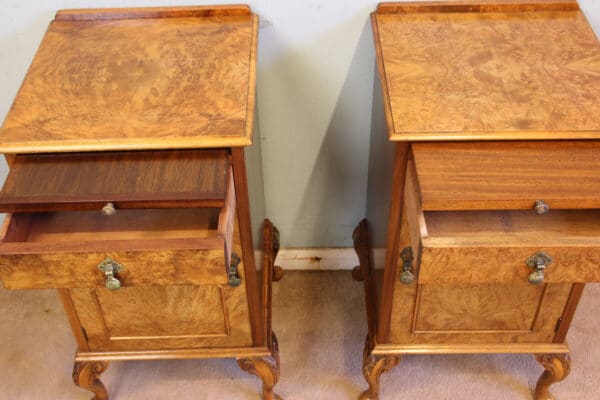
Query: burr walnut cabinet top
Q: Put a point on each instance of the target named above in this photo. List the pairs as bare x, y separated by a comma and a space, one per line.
153, 78
476, 70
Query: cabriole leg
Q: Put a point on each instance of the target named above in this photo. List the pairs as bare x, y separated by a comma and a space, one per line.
556, 368
373, 367
86, 375
266, 368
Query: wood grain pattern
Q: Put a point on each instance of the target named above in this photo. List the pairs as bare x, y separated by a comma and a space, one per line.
479, 6
240, 178
151, 12
493, 246
463, 310
146, 83
490, 72
569, 313
224, 309
393, 235
63, 249
508, 175
484, 308
479, 348
80, 270
165, 313
160, 179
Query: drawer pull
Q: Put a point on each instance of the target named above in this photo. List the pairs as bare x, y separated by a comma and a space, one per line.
541, 207
539, 261
234, 277
110, 267
407, 277
109, 209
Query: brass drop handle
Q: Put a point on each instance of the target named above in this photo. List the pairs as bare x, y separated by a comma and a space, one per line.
234, 276
539, 261
109, 209
407, 277
110, 267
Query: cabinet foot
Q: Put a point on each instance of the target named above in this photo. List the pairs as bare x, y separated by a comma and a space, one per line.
86, 375
277, 273
556, 368
266, 368
373, 367
357, 274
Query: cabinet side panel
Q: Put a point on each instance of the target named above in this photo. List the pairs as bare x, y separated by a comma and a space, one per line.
256, 190
381, 167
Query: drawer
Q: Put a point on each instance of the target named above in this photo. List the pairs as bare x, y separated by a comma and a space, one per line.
508, 175
62, 245
486, 246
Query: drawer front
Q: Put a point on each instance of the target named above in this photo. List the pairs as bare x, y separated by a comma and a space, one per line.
508, 175
140, 268
154, 247
500, 246
458, 265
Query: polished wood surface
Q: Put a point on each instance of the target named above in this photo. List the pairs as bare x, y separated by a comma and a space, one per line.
151, 12
459, 83
508, 175
556, 368
40, 182
130, 80
240, 177
504, 70
410, 7
137, 317
87, 376
63, 249
493, 246
121, 106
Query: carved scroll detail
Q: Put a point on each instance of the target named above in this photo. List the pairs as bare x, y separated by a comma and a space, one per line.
266, 368
87, 376
373, 367
556, 368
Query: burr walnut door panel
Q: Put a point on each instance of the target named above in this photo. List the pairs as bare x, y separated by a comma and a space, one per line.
170, 317
482, 313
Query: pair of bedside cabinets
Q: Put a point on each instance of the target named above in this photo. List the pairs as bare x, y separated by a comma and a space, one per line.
135, 188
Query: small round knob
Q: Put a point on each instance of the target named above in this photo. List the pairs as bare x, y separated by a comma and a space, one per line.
541, 207
536, 277
407, 277
109, 209
112, 283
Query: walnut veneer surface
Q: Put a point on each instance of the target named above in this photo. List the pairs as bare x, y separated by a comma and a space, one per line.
489, 241
107, 80
496, 70
139, 208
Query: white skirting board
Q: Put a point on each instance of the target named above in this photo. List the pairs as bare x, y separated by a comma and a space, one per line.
320, 258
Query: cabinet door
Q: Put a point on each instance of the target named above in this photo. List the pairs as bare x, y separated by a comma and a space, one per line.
481, 313
169, 317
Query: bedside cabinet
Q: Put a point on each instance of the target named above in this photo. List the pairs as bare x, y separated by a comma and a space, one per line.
134, 186
484, 182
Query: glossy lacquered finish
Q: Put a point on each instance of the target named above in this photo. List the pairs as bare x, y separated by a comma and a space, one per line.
129, 190
488, 241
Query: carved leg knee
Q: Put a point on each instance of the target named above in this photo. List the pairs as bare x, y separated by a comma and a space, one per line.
373, 367
556, 368
87, 376
266, 368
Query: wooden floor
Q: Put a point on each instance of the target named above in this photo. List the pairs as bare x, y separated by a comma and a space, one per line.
320, 322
